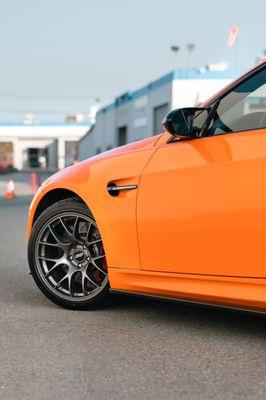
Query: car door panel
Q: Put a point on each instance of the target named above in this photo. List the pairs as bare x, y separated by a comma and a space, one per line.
202, 207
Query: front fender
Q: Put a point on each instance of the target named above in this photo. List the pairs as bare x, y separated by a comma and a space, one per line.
72, 179
115, 216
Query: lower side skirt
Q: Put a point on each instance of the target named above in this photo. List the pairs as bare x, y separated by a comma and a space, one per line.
237, 293
197, 303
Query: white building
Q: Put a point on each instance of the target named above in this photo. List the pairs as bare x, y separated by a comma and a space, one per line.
40, 145
137, 115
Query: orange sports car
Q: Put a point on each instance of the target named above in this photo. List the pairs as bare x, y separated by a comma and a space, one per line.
181, 215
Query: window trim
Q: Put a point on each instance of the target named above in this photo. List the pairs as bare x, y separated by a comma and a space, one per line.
235, 84
211, 103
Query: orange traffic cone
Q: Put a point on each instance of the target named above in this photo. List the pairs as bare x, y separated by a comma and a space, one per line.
33, 182
10, 190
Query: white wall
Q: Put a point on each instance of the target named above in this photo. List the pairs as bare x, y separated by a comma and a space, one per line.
40, 136
188, 93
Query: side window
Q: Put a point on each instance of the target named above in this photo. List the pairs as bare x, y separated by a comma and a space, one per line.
244, 108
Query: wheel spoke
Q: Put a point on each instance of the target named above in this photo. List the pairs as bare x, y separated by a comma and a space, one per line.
70, 283
92, 281
94, 242
88, 232
59, 284
98, 257
99, 268
51, 270
83, 278
74, 233
68, 232
50, 244
58, 238
49, 259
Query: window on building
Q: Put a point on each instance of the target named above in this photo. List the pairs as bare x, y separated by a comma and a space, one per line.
122, 136
33, 158
159, 113
37, 158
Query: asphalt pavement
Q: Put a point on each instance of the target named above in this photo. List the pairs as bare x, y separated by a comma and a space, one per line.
135, 349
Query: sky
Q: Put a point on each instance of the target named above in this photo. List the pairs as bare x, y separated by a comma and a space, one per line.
57, 56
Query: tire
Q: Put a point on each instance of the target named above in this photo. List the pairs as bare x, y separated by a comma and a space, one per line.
66, 257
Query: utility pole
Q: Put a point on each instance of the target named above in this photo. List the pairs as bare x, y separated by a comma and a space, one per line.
190, 48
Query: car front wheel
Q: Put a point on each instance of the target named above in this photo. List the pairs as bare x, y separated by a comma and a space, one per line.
66, 257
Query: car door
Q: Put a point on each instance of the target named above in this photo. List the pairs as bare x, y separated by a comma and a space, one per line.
202, 202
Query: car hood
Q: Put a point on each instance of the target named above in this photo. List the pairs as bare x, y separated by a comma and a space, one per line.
135, 146
83, 165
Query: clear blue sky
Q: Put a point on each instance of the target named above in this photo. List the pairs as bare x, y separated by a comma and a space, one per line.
57, 55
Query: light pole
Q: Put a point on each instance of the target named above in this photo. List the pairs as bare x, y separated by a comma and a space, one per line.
175, 50
190, 48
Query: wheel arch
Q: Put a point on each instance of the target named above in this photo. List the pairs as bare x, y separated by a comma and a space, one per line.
52, 197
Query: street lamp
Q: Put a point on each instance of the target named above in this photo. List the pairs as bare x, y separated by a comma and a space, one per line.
175, 50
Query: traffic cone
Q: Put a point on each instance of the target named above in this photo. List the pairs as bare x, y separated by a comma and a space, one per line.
10, 190
33, 182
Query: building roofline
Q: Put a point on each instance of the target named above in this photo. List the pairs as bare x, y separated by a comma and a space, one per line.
170, 77
55, 124
87, 133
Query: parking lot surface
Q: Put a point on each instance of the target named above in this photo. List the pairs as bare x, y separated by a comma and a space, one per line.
135, 349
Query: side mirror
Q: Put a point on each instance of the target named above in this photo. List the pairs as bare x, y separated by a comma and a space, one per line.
180, 122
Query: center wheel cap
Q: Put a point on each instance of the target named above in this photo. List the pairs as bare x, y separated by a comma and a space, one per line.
79, 256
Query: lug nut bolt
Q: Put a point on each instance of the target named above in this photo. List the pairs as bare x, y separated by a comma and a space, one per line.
71, 257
